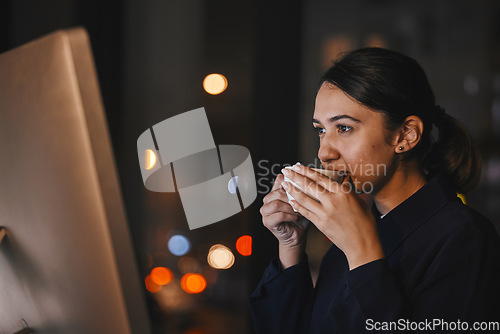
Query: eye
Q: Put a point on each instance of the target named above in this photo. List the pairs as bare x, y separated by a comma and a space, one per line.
319, 130
343, 128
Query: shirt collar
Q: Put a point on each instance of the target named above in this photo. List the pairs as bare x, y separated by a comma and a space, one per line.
415, 210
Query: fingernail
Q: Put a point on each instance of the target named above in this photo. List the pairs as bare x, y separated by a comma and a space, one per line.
285, 171
285, 185
296, 168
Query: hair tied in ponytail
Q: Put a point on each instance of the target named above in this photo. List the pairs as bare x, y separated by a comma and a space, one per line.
439, 115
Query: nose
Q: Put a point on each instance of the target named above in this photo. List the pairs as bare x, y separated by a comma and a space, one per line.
327, 153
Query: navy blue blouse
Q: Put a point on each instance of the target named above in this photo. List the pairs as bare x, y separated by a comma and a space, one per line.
441, 265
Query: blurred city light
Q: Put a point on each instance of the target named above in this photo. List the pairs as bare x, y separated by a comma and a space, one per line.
220, 257
215, 83
151, 286
172, 297
193, 283
244, 245
161, 275
179, 245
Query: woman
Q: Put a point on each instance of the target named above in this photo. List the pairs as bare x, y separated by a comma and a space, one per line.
415, 258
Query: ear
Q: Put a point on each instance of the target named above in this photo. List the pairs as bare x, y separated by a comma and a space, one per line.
409, 134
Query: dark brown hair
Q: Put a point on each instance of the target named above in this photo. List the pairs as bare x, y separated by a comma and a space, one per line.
396, 85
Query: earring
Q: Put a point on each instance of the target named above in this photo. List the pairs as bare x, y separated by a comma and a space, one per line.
401, 148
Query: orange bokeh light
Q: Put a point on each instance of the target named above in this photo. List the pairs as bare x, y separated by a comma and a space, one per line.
215, 83
161, 275
244, 245
151, 286
193, 283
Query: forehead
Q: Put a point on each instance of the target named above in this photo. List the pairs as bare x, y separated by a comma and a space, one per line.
332, 101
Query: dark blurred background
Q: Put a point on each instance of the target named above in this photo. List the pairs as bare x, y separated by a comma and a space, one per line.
152, 57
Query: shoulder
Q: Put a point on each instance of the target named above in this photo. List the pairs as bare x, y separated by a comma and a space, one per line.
457, 222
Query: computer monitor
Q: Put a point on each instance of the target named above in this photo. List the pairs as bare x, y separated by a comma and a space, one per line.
66, 263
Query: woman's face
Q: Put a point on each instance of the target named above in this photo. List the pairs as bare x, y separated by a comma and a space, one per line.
353, 139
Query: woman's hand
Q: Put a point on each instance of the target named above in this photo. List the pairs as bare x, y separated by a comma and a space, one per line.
289, 227
341, 214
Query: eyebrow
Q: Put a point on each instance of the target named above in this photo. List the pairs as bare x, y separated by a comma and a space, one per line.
339, 117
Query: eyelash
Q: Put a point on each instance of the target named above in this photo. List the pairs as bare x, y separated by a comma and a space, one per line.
317, 129
345, 128
340, 126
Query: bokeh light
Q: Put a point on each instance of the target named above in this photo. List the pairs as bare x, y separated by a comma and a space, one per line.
244, 245
151, 286
215, 83
161, 275
193, 283
150, 159
179, 245
220, 257
171, 297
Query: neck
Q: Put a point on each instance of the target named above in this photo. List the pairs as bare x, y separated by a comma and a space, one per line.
403, 183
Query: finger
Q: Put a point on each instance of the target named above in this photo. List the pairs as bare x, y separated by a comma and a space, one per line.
319, 178
306, 213
345, 186
274, 195
301, 197
277, 218
277, 205
277, 182
308, 185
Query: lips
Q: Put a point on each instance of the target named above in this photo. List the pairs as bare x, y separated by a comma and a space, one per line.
334, 169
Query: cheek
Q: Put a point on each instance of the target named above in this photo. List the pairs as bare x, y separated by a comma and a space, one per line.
369, 161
